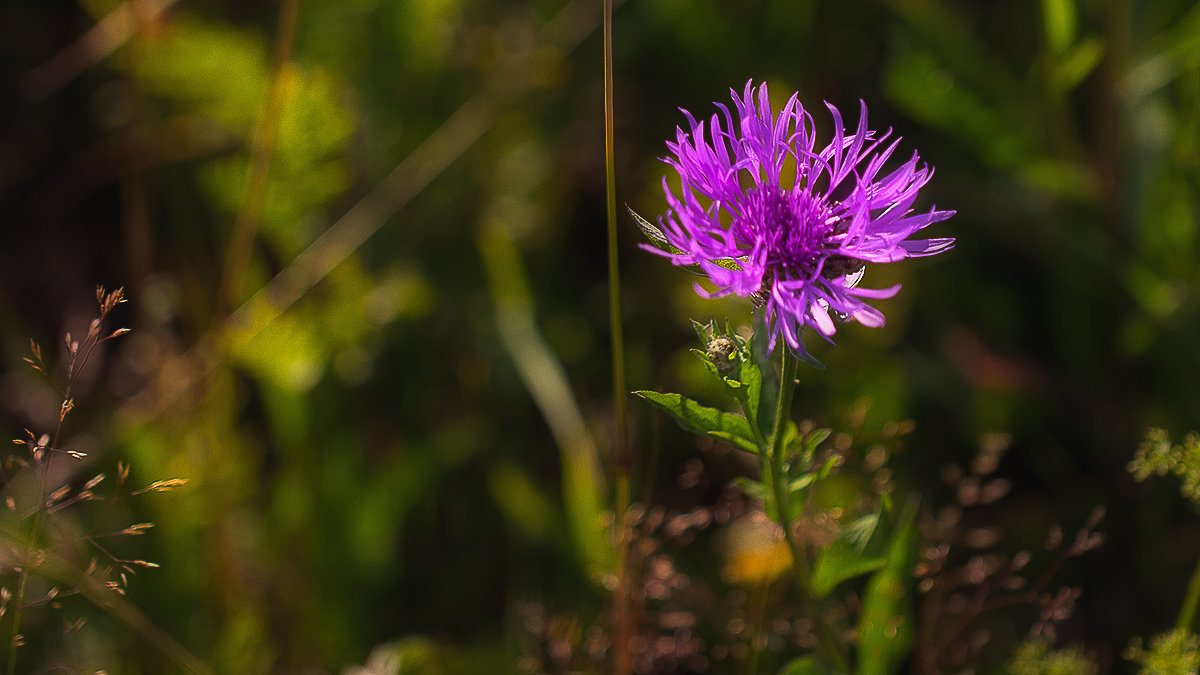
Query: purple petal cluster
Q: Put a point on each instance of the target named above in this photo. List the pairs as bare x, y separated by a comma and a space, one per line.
767, 214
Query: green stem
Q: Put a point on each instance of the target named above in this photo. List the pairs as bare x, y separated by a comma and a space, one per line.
1187, 613
828, 644
758, 437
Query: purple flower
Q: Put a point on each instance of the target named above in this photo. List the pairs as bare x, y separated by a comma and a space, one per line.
765, 214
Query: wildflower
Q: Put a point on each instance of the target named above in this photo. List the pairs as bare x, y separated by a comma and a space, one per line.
764, 214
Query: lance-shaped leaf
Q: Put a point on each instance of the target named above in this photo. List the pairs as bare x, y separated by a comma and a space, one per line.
885, 624
846, 557
659, 240
704, 420
655, 235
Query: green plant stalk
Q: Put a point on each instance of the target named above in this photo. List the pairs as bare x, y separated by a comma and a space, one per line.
1187, 612
827, 642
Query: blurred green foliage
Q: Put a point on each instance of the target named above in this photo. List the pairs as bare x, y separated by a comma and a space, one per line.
1036, 657
371, 463
1176, 651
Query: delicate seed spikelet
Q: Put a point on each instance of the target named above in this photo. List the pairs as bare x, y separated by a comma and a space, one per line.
162, 486
58, 494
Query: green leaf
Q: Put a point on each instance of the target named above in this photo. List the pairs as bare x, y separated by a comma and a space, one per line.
828, 467
799, 484
655, 235
753, 488
885, 625
659, 240
861, 530
751, 392
811, 441
844, 559
704, 420
805, 665
1076, 64
839, 562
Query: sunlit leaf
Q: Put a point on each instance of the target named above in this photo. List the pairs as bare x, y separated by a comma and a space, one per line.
704, 420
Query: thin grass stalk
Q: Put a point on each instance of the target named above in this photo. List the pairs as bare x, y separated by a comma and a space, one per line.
245, 228
622, 602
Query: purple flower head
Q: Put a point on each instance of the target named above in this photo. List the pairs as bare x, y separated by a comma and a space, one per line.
766, 214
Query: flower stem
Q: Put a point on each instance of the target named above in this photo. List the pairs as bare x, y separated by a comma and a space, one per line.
1187, 612
827, 643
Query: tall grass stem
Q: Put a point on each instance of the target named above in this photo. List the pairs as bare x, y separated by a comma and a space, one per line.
622, 605
245, 228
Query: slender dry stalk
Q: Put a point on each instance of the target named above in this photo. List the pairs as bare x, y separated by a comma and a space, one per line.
623, 613
246, 226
